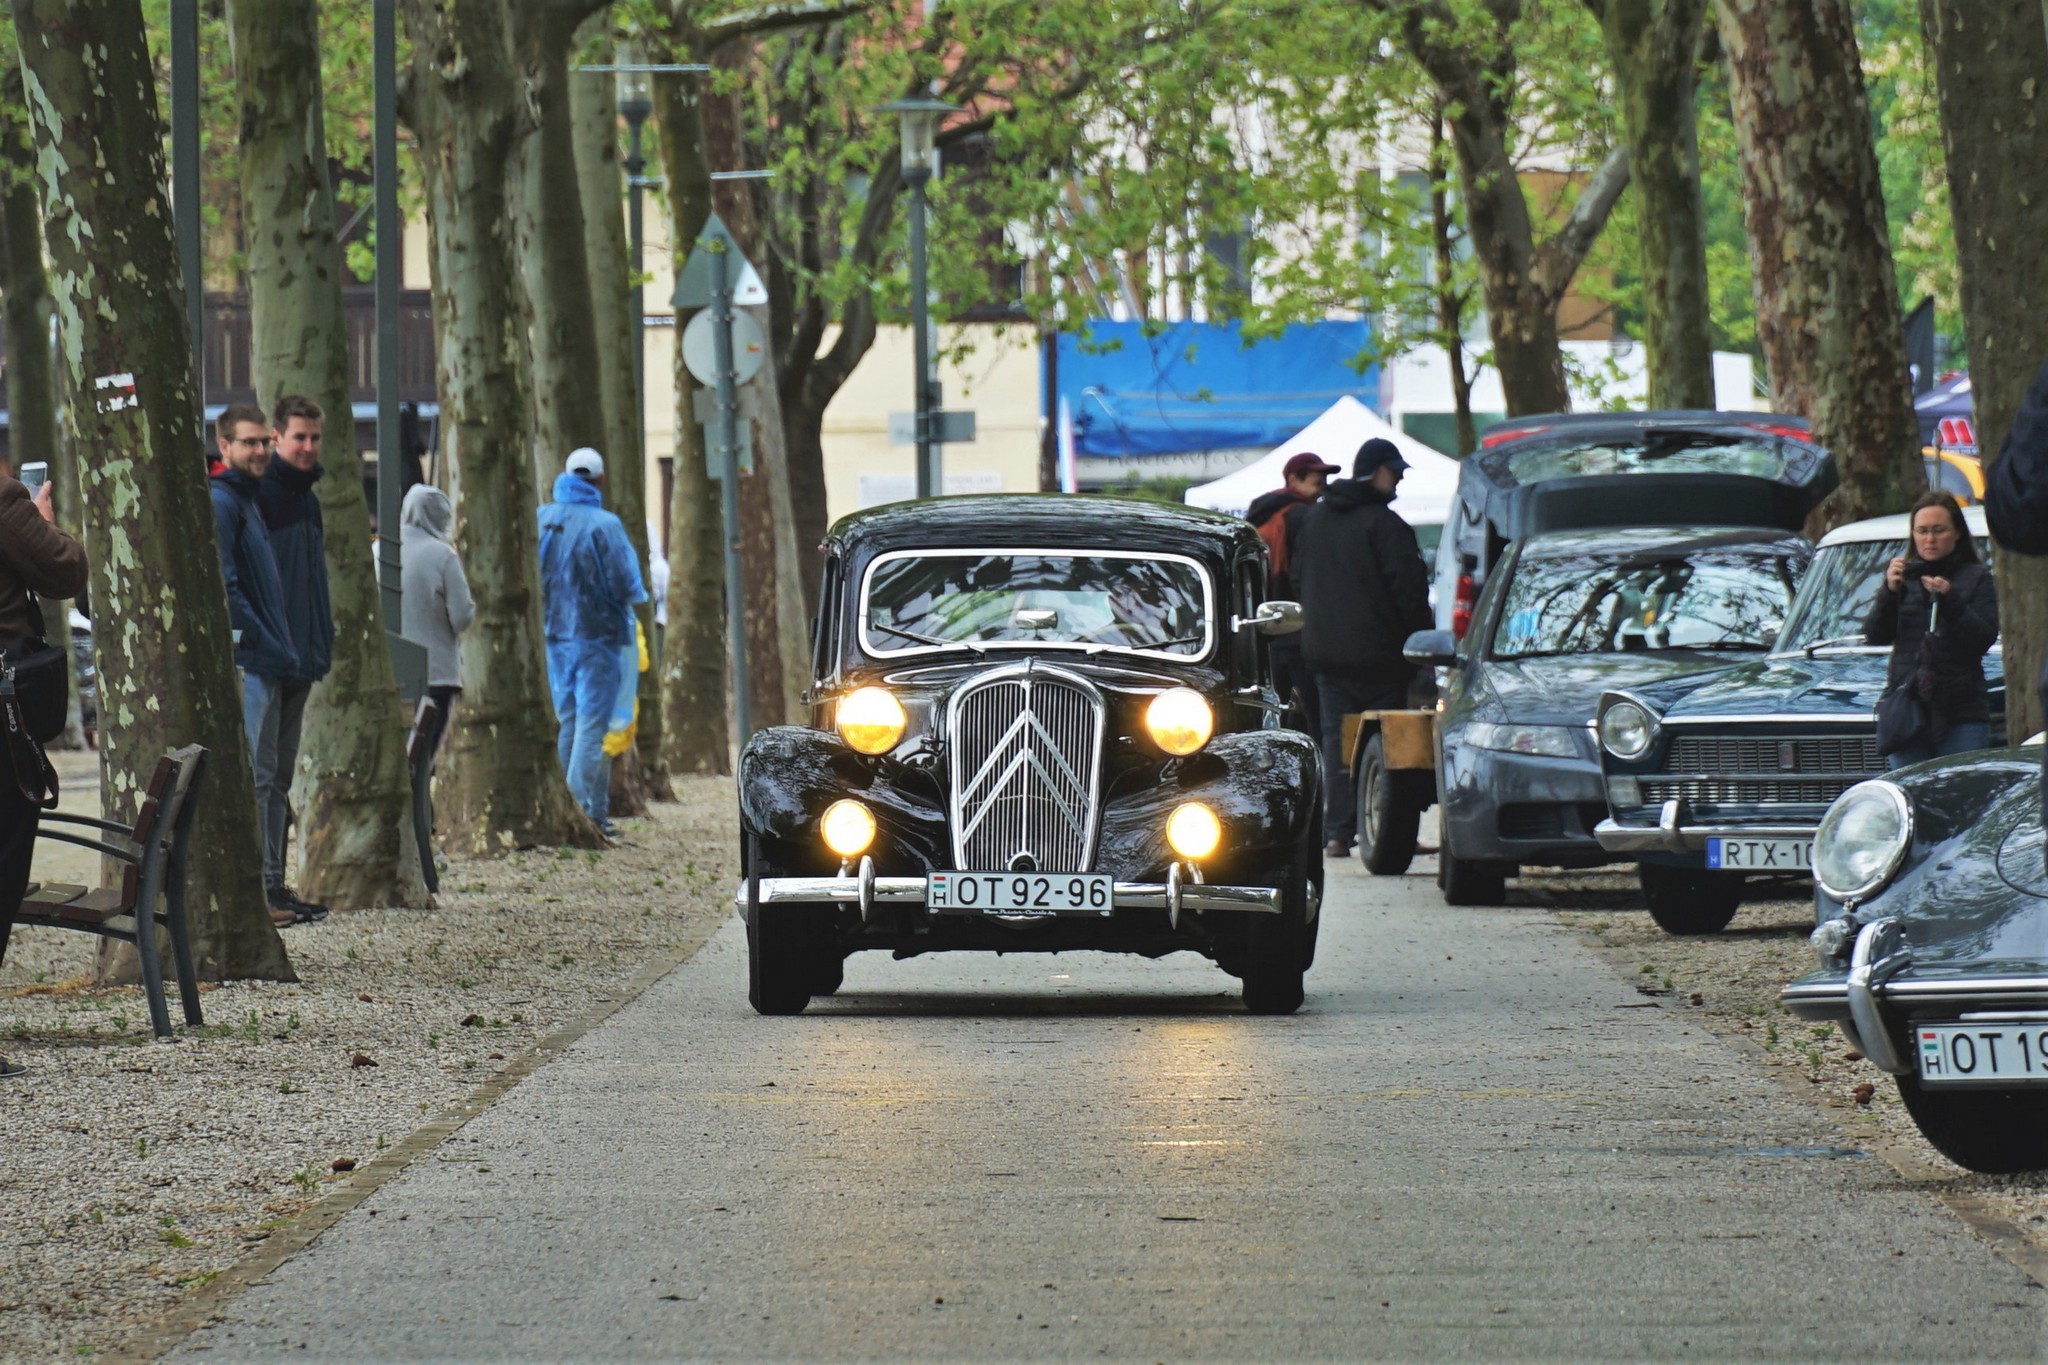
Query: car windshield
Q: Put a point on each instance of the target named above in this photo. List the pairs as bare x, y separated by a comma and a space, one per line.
1605, 603
920, 601
1839, 590
1668, 452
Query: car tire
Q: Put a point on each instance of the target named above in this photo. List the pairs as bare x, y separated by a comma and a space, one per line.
1994, 1132
1318, 886
828, 972
1690, 900
779, 963
1469, 881
1277, 947
1388, 818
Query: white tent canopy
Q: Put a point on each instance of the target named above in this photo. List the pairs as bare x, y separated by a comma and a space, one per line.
1426, 492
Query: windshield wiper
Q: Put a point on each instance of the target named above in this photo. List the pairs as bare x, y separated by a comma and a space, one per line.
920, 636
1839, 642
1159, 644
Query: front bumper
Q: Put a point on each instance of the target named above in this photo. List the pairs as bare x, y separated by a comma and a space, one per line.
1674, 832
866, 889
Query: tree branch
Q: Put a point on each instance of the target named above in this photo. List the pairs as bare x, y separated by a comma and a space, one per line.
1558, 259
768, 18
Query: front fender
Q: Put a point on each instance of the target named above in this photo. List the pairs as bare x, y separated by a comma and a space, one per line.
1266, 787
789, 774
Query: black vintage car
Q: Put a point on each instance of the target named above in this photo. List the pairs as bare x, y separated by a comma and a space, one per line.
1719, 776
1039, 723
1569, 615
1932, 901
1558, 472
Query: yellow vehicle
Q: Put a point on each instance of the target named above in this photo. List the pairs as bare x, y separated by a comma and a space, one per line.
1951, 471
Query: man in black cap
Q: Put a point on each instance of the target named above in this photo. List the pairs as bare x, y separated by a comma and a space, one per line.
1364, 590
1277, 515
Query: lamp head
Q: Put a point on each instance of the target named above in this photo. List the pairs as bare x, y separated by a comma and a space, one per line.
635, 89
919, 124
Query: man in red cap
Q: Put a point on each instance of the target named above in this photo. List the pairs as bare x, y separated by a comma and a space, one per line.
1276, 515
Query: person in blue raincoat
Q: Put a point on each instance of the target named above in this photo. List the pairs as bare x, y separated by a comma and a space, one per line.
590, 582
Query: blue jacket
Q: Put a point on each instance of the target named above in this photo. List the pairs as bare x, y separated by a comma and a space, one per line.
589, 575
255, 595
298, 541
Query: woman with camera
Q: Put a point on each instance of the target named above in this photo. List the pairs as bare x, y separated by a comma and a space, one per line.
1938, 610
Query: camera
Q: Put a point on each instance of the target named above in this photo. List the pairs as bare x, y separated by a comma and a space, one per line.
1915, 568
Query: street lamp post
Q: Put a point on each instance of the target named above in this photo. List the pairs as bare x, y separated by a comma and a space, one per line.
920, 125
636, 104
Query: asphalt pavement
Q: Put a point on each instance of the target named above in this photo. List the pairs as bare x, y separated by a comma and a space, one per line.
1474, 1141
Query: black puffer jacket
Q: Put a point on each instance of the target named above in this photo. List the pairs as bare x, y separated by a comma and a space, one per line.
1965, 628
1364, 588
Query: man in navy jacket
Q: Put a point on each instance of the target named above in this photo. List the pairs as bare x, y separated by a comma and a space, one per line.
263, 645
298, 541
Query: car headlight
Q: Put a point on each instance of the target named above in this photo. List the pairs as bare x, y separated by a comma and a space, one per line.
1626, 730
1193, 831
870, 720
1179, 720
1862, 840
1549, 741
848, 828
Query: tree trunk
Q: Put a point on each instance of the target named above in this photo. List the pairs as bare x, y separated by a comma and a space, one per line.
1450, 298
165, 654
355, 787
594, 108
695, 732
1827, 307
1653, 46
504, 789
1990, 63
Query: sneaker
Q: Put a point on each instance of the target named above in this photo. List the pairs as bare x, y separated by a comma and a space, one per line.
283, 899
610, 830
281, 918
10, 1069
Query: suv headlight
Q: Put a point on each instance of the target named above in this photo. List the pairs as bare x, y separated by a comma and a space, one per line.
1179, 720
870, 720
1626, 730
1862, 840
1548, 741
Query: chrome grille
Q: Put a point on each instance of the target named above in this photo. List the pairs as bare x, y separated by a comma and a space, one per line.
1771, 755
1709, 791
1026, 747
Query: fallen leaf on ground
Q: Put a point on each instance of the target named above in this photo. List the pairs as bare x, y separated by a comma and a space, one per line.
1862, 1094
362, 1059
343, 1163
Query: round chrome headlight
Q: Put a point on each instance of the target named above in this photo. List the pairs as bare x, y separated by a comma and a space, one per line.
1626, 730
847, 827
1193, 831
1179, 720
870, 720
1862, 840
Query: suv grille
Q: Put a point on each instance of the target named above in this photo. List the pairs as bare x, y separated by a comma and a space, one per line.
1026, 748
1817, 791
1773, 755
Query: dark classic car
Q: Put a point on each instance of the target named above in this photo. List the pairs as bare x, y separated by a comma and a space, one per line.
1039, 723
1569, 615
1718, 776
1932, 900
1563, 472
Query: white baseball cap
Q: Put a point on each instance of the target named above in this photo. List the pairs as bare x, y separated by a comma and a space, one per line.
586, 462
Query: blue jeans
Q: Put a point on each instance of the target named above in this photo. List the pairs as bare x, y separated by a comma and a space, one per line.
1960, 739
584, 676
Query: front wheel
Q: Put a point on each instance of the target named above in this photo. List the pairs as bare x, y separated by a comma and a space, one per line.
1996, 1132
1277, 946
1690, 900
780, 965
1468, 881
1388, 817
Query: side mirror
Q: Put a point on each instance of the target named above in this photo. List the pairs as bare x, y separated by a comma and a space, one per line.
1432, 648
1272, 618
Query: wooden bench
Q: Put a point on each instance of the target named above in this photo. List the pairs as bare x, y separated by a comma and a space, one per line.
152, 888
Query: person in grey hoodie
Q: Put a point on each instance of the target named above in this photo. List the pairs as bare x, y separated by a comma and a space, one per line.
438, 607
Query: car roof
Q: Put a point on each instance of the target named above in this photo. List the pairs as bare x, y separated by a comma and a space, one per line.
1897, 527
1051, 520
1641, 539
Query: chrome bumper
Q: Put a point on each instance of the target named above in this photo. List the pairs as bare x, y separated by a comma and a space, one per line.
867, 890
1671, 834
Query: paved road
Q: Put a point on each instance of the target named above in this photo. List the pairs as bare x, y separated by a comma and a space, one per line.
1471, 1143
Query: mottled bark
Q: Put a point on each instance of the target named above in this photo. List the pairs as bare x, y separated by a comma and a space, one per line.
502, 787
353, 791
695, 732
1653, 47
165, 653
1990, 64
1520, 280
602, 184
1827, 308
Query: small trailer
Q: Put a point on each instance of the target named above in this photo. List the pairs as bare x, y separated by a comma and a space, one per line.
1391, 763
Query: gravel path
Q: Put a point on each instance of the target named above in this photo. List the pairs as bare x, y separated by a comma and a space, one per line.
1733, 978
131, 1172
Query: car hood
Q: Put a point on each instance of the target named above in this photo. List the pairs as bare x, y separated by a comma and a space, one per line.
1829, 684
1566, 690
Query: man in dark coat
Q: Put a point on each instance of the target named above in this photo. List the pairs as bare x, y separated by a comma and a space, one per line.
298, 541
2016, 503
263, 649
1276, 515
1364, 591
